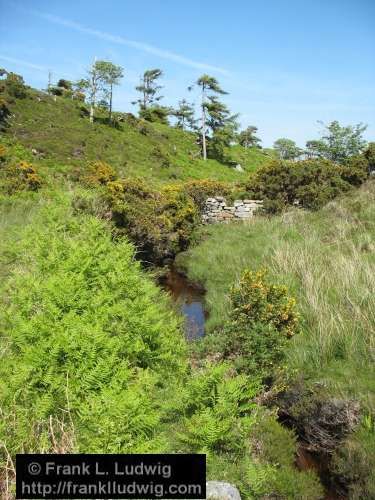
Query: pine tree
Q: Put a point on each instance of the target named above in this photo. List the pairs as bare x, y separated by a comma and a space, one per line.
149, 109
185, 115
207, 84
149, 88
248, 139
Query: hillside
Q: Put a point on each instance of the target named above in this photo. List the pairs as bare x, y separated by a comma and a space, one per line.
58, 129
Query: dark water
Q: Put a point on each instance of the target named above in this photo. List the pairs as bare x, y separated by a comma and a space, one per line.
307, 461
190, 299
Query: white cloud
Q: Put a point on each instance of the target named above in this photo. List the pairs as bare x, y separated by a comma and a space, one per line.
25, 64
144, 47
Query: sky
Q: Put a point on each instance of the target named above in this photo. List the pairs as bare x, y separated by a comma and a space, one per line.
285, 64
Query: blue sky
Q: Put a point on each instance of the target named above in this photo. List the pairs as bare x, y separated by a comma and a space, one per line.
285, 64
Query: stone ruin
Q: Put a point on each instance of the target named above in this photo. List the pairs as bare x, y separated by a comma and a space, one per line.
217, 210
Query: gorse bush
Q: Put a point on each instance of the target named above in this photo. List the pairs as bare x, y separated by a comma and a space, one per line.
203, 189
98, 173
20, 176
261, 320
160, 223
308, 183
254, 299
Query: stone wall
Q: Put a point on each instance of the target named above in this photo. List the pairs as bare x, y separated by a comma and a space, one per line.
217, 210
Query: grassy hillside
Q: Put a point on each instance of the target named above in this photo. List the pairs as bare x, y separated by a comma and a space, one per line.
59, 130
327, 259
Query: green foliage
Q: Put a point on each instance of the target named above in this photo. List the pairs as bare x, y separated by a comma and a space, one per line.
220, 411
185, 115
19, 176
254, 300
98, 173
309, 183
4, 112
261, 320
220, 141
64, 134
340, 143
326, 258
273, 482
355, 170
159, 222
15, 86
149, 109
199, 191
248, 139
88, 339
155, 114
354, 462
369, 154
287, 149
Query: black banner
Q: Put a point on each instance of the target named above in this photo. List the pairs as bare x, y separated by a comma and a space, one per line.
110, 476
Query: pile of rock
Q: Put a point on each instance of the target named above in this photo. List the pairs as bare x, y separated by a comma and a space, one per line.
217, 210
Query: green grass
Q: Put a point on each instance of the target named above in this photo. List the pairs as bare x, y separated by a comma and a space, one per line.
327, 260
62, 133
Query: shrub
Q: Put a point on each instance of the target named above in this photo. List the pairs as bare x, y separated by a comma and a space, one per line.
369, 154
262, 319
272, 472
355, 170
200, 190
155, 113
308, 183
98, 173
21, 176
160, 223
354, 463
3, 153
4, 112
162, 158
267, 481
15, 86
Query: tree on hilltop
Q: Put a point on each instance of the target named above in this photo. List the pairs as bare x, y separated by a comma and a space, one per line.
208, 84
287, 149
102, 76
110, 75
248, 139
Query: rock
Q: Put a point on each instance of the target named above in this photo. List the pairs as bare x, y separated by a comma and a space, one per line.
219, 198
238, 168
218, 490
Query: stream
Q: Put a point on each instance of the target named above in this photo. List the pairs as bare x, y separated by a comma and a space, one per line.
190, 299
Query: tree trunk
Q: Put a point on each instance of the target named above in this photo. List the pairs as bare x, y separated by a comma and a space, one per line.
110, 103
204, 151
93, 93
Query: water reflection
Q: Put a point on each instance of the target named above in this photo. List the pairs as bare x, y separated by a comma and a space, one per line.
190, 298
